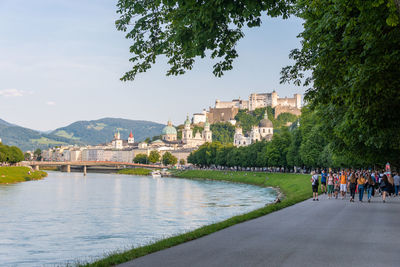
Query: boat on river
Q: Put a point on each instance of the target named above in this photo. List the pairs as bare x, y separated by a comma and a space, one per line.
156, 174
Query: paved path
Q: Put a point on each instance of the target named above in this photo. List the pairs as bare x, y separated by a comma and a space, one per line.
325, 233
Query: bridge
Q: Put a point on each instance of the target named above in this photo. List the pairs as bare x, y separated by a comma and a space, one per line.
66, 165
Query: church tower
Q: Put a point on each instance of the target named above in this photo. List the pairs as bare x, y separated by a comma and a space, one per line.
131, 139
187, 133
207, 134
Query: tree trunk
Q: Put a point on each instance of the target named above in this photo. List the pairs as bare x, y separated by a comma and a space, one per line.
397, 3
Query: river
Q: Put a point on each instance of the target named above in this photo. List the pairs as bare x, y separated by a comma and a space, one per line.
67, 217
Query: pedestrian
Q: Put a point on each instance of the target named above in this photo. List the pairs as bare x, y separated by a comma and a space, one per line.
323, 182
343, 185
361, 183
330, 185
370, 186
314, 183
391, 184
336, 185
352, 187
396, 180
384, 185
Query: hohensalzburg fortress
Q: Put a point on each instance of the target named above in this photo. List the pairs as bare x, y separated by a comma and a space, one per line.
261, 101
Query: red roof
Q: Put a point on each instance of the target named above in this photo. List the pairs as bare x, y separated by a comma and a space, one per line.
131, 135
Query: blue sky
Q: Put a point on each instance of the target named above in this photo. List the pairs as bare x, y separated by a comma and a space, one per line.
61, 60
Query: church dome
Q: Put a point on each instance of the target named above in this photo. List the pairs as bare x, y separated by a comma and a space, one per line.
169, 129
266, 123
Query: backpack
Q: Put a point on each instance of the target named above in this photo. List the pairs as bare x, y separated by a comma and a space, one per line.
316, 181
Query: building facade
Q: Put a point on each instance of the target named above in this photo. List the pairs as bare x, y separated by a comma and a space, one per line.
264, 131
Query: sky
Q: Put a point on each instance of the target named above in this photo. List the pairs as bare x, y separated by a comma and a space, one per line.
61, 61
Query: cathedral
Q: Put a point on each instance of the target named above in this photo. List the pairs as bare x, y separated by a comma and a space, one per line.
264, 131
198, 139
189, 140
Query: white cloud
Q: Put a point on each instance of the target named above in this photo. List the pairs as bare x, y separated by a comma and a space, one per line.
12, 93
51, 103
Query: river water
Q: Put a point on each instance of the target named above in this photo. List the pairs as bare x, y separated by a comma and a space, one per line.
67, 217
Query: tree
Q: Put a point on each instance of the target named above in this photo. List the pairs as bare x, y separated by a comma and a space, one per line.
27, 156
37, 154
154, 156
223, 132
182, 162
10, 154
141, 159
184, 30
350, 53
169, 159
352, 50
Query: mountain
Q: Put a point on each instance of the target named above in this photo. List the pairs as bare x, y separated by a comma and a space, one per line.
103, 130
28, 139
3, 122
79, 133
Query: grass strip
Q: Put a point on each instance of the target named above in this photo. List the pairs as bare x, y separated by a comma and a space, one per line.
135, 171
10, 175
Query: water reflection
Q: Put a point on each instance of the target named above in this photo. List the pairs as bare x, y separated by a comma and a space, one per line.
68, 217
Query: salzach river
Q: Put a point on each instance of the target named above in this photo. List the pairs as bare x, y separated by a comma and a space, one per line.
68, 217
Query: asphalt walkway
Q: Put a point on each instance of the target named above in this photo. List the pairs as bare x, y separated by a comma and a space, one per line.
331, 232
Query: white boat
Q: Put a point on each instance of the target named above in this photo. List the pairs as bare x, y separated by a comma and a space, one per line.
156, 174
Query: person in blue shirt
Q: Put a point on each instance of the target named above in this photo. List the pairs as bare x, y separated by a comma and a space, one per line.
323, 182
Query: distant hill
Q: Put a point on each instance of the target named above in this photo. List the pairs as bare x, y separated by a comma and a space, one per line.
27, 139
102, 131
2, 122
79, 133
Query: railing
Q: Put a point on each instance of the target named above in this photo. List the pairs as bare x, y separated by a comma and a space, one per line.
87, 163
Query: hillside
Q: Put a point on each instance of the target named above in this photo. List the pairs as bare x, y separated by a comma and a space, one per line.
27, 139
102, 130
80, 133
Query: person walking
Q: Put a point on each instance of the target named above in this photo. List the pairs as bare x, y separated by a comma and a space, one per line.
396, 180
323, 182
370, 186
384, 185
336, 185
391, 184
314, 183
330, 185
361, 183
352, 187
343, 185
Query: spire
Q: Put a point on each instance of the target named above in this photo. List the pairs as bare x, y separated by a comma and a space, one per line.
187, 121
207, 124
131, 135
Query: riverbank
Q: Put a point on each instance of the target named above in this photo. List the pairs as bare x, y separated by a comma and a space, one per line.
135, 171
295, 187
10, 175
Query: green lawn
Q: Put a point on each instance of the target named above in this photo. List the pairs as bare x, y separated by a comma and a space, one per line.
295, 187
135, 171
19, 174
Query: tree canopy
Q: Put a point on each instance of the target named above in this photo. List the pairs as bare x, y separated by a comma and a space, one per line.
184, 30
348, 57
352, 50
10, 154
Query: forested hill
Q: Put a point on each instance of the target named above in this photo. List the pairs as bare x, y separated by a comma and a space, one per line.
102, 130
27, 139
80, 133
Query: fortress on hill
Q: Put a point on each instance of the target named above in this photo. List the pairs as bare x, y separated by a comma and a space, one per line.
225, 111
